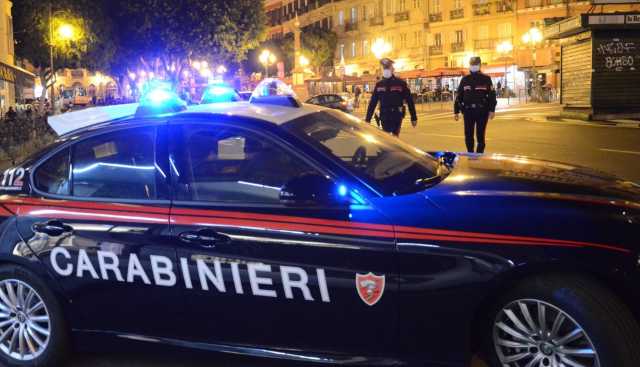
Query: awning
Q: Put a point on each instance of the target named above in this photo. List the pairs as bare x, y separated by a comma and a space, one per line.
446, 72
16, 75
412, 74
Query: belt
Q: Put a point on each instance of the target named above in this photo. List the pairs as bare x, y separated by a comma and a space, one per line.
392, 109
474, 106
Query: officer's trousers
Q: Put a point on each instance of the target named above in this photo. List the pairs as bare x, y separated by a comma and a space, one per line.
391, 122
475, 121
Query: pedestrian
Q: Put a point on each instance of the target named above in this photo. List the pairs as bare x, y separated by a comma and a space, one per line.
357, 94
11, 114
392, 93
477, 101
29, 112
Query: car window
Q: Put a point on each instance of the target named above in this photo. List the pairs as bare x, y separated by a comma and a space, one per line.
332, 99
313, 100
390, 165
52, 176
218, 164
116, 165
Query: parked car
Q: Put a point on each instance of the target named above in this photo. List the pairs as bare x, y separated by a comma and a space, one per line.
334, 101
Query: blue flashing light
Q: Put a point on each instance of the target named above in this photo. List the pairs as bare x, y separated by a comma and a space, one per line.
342, 190
219, 93
274, 92
159, 99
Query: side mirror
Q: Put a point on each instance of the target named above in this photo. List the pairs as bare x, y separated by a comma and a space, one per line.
313, 190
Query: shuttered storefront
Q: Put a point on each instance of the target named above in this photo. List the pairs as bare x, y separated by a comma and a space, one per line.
616, 66
576, 75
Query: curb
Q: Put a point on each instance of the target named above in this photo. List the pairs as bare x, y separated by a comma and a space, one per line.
613, 123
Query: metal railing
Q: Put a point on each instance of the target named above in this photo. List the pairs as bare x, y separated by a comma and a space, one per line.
457, 47
488, 44
504, 6
532, 3
402, 16
435, 50
481, 9
435, 17
457, 13
375, 21
351, 26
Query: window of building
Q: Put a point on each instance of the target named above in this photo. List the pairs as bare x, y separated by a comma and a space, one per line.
10, 35
365, 48
435, 7
341, 51
226, 164
52, 177
416, 4
459, 36
437, 39
403, 40
483, 32
341, 17
504, 30
402, 6
354, 15
365, 15
458, 4
116, 165
353, 49
389, 7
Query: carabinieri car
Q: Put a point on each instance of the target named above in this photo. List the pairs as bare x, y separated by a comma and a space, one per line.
277, 229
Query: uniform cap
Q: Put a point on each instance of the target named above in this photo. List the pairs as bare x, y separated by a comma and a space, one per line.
386, 62
475, 60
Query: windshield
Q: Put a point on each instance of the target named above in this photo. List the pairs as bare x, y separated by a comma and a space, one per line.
386, 163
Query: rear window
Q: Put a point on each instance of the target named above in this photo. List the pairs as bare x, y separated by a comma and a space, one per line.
116, 165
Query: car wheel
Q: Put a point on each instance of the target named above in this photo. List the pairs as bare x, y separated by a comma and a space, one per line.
562, 321
32, 328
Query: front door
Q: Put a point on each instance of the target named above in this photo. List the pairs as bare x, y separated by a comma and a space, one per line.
101, 227
264, 274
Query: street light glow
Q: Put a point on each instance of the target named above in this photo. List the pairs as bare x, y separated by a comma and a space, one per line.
380, 47
533, 36
221, 69
66, 31
504, 47
304, 61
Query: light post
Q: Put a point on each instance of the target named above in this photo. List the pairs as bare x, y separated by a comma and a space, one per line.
504, 48
267, 58
65, 32
532, 38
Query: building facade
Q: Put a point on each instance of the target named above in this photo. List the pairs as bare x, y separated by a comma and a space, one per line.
82, 82
428, 38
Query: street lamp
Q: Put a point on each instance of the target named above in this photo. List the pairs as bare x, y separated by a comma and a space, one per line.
65, 32
304, 61
380, 47
504, 48
267, 58
532, 38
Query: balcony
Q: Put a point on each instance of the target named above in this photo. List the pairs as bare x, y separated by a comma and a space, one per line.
457, 13
504, 6
435, 17
532, 3
489, 44
77, 74
401, 17
351, 26
376, 21
556, 2
457, 47
435, 50
481, 9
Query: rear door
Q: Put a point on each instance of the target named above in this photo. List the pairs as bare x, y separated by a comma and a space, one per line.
99, 221
264, 274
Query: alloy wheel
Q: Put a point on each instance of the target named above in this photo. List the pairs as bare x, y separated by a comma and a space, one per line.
533, 333
25, 324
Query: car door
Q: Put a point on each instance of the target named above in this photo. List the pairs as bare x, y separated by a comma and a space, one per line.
265, 274
99, 221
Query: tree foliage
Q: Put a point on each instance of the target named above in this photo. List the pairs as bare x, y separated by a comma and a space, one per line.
164, 35
90, 47
319, 46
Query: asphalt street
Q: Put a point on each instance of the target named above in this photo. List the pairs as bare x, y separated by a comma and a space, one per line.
520, 130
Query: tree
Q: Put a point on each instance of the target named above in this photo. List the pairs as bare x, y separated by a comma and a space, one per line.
166, 35
319, 46
88, 46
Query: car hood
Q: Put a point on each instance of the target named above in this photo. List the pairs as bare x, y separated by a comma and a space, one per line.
521, 176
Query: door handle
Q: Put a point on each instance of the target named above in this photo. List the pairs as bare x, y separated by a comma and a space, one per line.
204, 238
52, 228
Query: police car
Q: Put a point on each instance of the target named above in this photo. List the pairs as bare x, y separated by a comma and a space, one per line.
278, 229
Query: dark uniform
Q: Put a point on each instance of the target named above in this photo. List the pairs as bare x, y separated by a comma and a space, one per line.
476, 98
392, 93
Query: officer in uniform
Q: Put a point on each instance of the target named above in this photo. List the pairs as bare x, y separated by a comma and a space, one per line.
477, 101
392, 93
